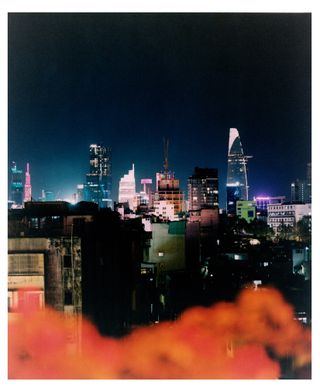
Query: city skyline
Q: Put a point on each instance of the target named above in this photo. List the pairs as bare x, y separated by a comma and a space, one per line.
131, 79
223, 187
159, 173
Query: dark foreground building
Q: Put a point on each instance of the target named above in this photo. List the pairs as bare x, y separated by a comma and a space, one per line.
81, 260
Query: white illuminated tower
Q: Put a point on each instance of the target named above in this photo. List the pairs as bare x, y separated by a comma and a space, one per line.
237, 180
27, 186
127, 188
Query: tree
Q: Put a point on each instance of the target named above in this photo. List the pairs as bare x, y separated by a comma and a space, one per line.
260, 229
285, 232
303, 229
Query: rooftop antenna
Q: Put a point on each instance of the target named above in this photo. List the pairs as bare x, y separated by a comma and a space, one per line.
166, 156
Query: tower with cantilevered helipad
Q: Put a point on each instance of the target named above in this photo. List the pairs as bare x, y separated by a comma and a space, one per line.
237, 179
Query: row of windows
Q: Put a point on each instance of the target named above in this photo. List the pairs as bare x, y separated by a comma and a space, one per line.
281, 207
25, 263
39, 223
242, 212
281, 220
279, 214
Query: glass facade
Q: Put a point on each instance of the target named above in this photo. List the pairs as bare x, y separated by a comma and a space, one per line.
16, 185
237, 180
99, 181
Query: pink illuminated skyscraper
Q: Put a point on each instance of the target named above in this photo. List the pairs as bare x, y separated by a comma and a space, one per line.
27, 186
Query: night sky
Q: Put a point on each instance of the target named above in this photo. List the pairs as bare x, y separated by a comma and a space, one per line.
128, 80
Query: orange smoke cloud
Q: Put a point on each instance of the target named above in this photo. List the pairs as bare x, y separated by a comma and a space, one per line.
225, 341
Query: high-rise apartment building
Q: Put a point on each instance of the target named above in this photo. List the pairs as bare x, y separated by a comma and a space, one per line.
127, 188
299, 191
99, 181
203, 191
16, 186
237, 180
301, 188
168, 186
27, 186
168, 189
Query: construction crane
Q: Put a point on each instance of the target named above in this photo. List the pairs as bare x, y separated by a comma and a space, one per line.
166, 156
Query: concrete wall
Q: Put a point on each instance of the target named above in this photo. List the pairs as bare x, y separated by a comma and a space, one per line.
167, 249
28, 244
57, 280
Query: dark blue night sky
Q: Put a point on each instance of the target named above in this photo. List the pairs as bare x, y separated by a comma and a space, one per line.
128, 80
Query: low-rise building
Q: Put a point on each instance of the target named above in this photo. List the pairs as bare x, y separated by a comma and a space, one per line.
287, 214
165, 210
262, 202
246, 210
48, 270
167, 246
78, 259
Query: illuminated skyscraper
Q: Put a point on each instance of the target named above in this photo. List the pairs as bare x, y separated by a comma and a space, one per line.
203, 189
168, 186
46, 196
16, 186
237, 180
27, 186
301, 188
299, 191
99, 182
127, 188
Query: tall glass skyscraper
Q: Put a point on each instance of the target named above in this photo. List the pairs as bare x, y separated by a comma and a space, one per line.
16, 185
237, 180
99, 181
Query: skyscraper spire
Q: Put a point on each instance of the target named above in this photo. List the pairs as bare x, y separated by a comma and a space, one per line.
27, 186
